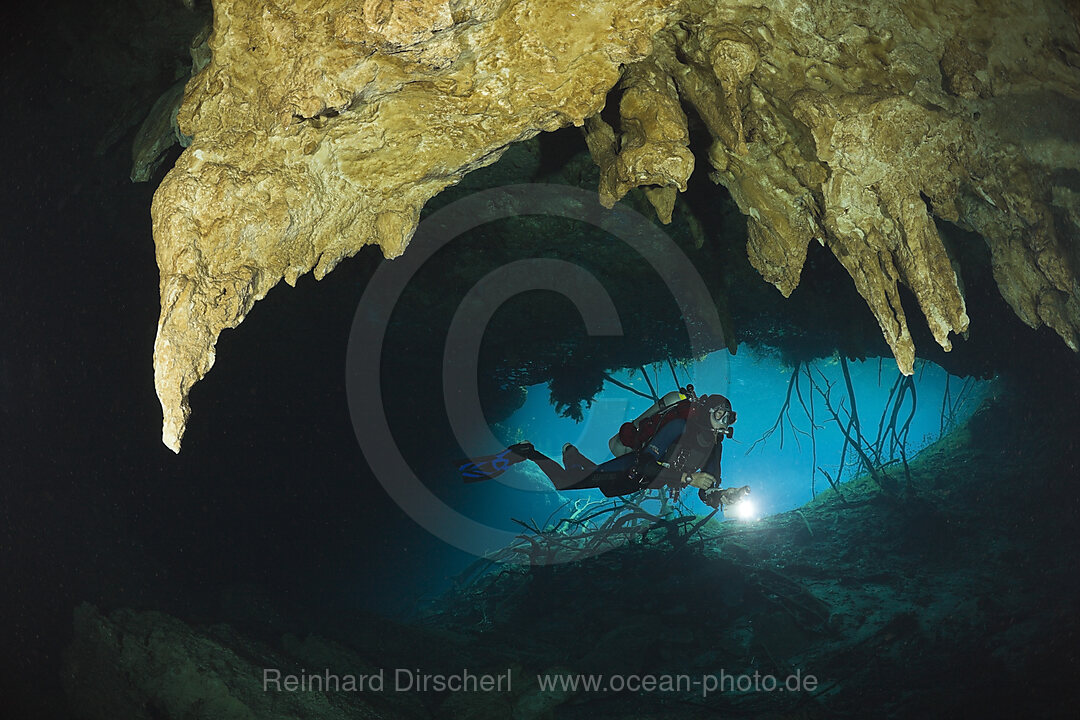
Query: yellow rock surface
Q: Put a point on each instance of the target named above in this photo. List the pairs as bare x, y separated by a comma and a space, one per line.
321, 126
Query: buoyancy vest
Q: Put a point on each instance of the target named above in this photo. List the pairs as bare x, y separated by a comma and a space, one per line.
635, 437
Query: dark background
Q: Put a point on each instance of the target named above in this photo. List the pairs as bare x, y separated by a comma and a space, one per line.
270, 490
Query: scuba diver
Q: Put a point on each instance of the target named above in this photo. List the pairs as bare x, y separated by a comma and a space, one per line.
675, 443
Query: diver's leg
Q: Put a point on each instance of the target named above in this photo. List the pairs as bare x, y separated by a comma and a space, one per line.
617, 477
611, 478
572, 458
562, 478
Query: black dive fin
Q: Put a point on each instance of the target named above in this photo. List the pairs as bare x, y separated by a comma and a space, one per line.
492, 466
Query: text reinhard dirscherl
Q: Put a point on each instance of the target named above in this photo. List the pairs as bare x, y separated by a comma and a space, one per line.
402, 680
411, 680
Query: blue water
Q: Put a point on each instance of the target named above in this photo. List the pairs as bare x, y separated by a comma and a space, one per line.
779, 469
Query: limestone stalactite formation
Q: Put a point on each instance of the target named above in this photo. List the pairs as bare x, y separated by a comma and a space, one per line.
323, 126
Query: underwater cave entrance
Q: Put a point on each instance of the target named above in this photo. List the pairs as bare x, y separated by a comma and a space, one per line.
774, 449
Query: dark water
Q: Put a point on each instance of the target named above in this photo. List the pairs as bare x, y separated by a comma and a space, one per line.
271, 538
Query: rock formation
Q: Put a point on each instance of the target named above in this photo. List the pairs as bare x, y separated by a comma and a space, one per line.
323, 126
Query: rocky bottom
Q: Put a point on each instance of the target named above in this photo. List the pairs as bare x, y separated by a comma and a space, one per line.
956, 594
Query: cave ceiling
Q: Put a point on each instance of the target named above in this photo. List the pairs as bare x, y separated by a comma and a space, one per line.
316, 128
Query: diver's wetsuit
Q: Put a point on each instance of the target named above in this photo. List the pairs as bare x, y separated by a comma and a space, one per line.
640, 469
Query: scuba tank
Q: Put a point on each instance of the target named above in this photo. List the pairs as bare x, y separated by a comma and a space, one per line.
633, 435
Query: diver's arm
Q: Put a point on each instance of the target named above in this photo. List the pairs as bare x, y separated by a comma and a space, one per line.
709, 475
709, 490
712, 465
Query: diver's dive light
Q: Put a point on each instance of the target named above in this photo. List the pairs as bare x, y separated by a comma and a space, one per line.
745, 510
737, 501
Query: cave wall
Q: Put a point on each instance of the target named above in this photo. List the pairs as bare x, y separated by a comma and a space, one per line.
321, 127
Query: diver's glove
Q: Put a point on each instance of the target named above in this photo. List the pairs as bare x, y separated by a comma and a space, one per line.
710, 496
718, 497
